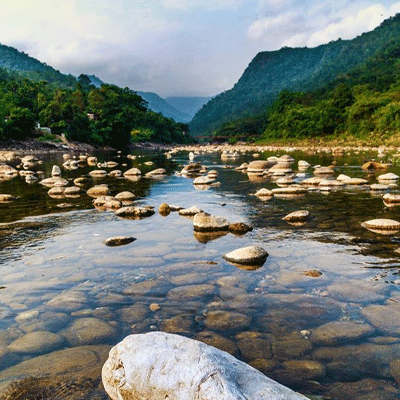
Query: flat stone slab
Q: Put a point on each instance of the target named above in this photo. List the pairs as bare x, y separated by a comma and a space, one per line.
385, 226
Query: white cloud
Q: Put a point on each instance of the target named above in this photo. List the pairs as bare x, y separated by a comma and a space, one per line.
350, 26
270, 25
314, 23
200, 4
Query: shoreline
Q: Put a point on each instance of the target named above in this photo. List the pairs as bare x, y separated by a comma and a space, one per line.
37, 146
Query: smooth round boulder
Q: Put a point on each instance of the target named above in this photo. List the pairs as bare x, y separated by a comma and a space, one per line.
133, 172
159, 366
98, 190
258, 166
125, 196
264, 193
247, 255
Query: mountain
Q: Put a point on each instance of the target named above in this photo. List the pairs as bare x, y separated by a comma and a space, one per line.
20, 64
160, 105
187, 105
295, 69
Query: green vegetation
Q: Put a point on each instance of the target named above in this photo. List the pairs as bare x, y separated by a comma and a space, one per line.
308, 78
34, 93
108, 115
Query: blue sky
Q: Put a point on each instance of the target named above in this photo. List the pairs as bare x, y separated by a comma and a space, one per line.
177, 47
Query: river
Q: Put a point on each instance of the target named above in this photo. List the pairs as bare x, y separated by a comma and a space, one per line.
321, 315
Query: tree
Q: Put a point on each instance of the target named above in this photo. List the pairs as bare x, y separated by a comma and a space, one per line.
20, 123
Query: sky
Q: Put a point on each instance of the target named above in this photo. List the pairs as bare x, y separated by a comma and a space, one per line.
177, 47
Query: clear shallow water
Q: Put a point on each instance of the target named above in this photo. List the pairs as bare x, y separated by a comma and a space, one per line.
56, 273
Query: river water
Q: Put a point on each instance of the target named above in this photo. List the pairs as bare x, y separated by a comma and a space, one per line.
321, 315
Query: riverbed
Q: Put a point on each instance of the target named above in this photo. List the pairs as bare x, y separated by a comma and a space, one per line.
321, 315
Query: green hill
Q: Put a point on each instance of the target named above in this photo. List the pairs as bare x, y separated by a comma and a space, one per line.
294, 69
20, 65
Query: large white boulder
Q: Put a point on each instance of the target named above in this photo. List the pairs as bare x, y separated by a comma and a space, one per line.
161, 366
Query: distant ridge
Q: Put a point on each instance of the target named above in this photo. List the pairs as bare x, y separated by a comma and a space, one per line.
295, 69
187, 105
181, 109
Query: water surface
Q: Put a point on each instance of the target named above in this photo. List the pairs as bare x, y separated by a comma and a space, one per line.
312, 317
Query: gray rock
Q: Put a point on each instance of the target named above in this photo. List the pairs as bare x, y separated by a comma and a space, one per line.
204, 222
158, 366
297, 216
190, 211
135, 212
119, 240
98, 190
247, 255
203, 180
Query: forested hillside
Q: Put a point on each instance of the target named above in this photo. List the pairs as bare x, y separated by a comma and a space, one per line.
362, 104
20, 65
108, 115
34, 94
299, 69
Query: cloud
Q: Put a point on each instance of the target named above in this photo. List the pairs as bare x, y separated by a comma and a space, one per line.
350, 26
200, 4
273, 25
313, 23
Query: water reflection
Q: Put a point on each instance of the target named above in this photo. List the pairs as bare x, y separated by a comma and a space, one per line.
316, 315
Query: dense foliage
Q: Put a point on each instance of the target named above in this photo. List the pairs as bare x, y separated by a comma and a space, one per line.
364, 103
300, 69
108, 115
